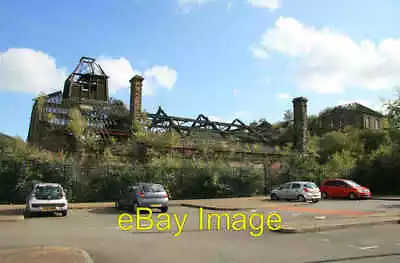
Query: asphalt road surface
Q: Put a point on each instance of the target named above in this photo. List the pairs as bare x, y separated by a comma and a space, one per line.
355, 205
97, 232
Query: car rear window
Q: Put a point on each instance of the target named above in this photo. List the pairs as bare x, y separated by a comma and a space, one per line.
153, 188
48, 190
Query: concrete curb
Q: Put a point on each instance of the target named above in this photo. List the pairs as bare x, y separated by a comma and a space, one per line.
19, 254
320, 228
215, 208
85, 254
386, 198
11, 218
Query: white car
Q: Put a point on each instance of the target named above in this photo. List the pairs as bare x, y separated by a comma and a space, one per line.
46, 197
299, 190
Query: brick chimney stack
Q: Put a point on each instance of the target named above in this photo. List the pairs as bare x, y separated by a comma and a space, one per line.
300, 123
136, 97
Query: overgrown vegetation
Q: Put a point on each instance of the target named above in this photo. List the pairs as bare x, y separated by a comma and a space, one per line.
370, 157
96, 172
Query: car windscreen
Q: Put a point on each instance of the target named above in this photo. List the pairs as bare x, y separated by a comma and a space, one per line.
49, 192
310, 185
153, 188
351, 183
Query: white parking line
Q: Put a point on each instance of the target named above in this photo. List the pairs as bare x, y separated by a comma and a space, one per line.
364, 248
369, 247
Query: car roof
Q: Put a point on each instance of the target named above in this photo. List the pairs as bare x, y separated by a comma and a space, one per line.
334, 179
47, 184
148, 184
301, 182
141, 184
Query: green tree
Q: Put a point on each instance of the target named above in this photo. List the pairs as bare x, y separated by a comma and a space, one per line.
340, 164
333, 142
392, 107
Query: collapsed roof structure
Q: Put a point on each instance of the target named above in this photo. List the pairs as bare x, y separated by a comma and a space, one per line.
86, 89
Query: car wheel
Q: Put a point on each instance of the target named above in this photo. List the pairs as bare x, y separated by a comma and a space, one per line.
27, 214
301, 198
164, 209
352, 196
64, 213
324, 195
274, 197
315, 201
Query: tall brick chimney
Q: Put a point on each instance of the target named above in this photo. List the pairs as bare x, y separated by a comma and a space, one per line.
136, 97
300, 123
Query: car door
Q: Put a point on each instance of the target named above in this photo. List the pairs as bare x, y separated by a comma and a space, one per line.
330, 188
341, 189
294, 191
284, 191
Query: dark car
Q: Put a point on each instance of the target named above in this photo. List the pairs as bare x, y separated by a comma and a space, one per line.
343, 188
148, 195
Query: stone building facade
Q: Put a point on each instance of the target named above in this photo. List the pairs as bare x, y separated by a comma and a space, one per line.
86, 89
339, 117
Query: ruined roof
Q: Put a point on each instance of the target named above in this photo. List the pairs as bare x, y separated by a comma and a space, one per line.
357, 107
88, 66
5, 137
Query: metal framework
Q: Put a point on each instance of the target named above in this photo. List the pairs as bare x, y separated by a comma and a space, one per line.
86, 66
161, 121
113, 118
88, 80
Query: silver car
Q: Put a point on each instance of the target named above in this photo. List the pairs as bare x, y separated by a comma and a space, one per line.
46, 197
143, 195
299, 190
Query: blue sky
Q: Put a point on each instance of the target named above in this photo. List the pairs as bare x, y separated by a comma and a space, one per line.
226, 59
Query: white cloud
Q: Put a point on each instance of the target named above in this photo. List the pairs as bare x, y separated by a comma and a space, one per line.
330, 62
269, 4
163, 75
186, 6
30, 71
219, 119
236, 92
259, 52
283, 96
121, 71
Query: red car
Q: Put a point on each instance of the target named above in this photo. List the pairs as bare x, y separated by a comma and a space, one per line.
343, 188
